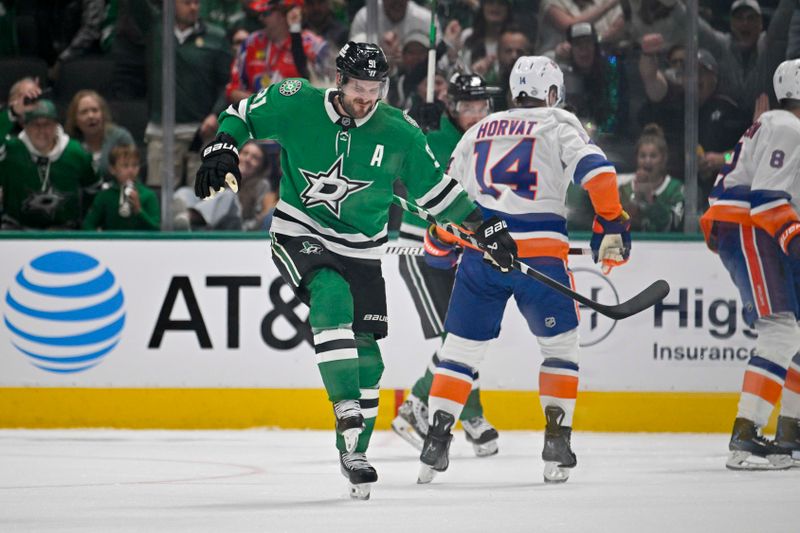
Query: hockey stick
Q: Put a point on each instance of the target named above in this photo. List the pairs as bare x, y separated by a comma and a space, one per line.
431, 56
652, 294
230, 180
419, 250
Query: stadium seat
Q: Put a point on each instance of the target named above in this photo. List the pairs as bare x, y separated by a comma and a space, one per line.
16, 68
90, 72
132, 115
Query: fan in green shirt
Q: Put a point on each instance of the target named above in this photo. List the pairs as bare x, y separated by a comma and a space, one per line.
46, 177
652, 198
126, 204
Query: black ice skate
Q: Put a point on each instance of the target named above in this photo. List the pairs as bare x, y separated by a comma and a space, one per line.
750, 450
434, 456
349, 422
482, 435
359, 473
411, 422
787, 437
557, 453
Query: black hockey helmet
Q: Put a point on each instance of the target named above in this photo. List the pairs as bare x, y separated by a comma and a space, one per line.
470, 87
362, 61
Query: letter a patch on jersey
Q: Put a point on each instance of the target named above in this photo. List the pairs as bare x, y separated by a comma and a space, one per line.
377, 156
330, 188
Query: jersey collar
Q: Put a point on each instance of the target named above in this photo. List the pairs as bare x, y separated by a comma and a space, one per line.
336, 117
663, 187
55, 153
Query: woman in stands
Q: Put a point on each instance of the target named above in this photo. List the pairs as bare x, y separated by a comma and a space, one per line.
652, 198
89, 121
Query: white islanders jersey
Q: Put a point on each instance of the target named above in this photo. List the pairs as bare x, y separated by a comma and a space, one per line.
517, 164
760, 185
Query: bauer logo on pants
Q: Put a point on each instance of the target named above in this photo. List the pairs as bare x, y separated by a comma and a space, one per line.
64, 311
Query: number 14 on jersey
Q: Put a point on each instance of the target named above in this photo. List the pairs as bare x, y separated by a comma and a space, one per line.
514, 169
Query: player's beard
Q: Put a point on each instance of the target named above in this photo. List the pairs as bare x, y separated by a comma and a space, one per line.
352, 111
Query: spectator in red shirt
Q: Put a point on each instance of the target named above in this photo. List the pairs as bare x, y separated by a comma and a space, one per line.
281, 50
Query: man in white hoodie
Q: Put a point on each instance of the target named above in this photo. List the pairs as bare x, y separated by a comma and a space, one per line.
45, 176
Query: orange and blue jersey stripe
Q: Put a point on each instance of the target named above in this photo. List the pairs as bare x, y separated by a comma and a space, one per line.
536, 234
771, 210
599, 177
755, 269
558, 378
792, 382
764, 379
452, 382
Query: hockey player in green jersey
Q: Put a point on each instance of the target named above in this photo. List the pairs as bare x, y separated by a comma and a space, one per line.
342, 149
430, 279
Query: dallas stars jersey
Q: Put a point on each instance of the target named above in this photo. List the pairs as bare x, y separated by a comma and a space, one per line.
442, 143
338, 172
43, 190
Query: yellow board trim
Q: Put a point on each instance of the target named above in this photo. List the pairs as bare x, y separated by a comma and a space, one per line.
42, 408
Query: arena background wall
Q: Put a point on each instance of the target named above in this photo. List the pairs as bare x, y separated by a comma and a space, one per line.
208, 336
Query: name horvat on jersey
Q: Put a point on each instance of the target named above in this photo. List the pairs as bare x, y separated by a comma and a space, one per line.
499, 128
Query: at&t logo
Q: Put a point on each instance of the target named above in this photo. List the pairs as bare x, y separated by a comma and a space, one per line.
65, 311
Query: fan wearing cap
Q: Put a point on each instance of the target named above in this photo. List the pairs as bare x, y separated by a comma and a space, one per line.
410, 70
278, 51
753, 224
517, 165
342, 149
720, 120
46, 177
595, 82
430, 279
748, 55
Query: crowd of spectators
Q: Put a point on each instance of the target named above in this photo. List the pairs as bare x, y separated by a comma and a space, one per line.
95, 66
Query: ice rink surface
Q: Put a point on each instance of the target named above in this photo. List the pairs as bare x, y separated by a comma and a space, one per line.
272, 481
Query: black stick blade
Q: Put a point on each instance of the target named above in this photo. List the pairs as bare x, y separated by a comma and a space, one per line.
650, 296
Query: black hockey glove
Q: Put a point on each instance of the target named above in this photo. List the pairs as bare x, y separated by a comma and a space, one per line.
428, 116
220, 158
496, 242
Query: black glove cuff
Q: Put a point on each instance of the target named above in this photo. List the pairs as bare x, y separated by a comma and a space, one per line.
223, 143
473, 220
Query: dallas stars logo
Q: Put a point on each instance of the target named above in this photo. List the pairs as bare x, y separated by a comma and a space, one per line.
330, 188
290, 87
309, 248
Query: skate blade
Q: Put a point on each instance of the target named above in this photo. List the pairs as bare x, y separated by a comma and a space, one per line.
426, 474
554, 473
360, 491
350, 437
740, 460
486, 449
407, 432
